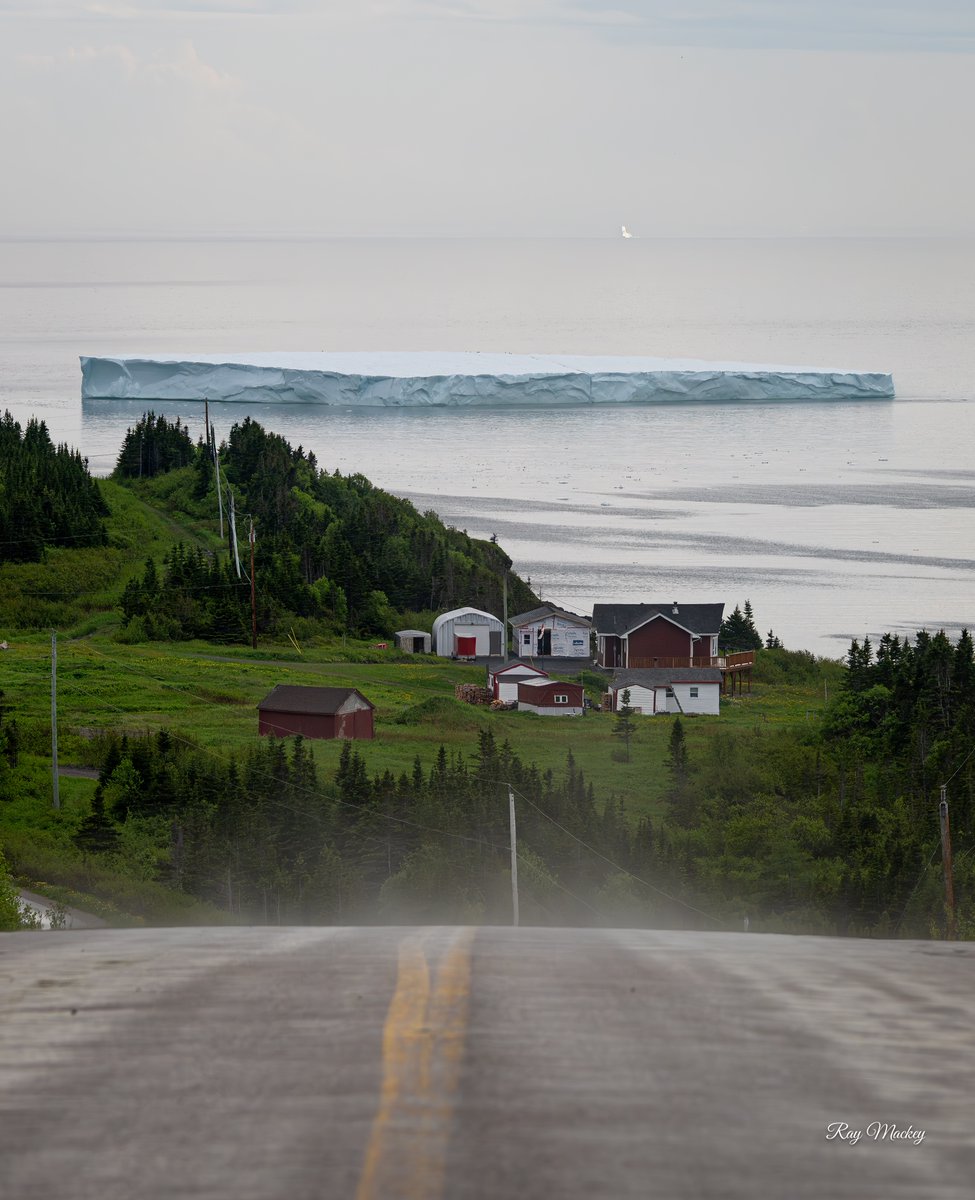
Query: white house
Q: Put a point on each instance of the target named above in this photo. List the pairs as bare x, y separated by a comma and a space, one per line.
550, 632
505, 680
669, 690
467, 633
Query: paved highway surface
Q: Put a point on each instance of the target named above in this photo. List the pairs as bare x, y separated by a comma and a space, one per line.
376, 1064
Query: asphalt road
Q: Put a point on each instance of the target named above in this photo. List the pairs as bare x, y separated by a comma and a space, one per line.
376, 1064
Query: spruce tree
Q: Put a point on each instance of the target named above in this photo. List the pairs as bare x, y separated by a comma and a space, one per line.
624, 727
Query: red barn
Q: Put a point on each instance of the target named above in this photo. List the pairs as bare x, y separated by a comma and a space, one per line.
315, 712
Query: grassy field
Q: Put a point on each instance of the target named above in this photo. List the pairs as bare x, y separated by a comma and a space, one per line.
210, 695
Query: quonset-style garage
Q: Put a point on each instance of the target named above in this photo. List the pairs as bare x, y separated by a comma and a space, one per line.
467, 633
315, 712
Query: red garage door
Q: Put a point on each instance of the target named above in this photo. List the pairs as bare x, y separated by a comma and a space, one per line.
467, 647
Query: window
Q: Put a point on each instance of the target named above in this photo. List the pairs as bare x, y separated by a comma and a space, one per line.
526, 639
693, 693
561, 699
670, 693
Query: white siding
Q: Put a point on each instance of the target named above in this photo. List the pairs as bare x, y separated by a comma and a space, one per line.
555, 710
568, 639
708, 698
508, 688
641, 698
465, 622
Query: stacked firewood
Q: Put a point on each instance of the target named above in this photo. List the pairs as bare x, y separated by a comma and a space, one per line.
470, 693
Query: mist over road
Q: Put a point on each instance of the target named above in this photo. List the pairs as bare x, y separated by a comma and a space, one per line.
379, 1063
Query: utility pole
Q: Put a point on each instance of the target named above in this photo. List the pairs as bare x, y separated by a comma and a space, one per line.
54, 717
504, 635
233, 532
206, 420
514, 857
216, 459
946, 861
253, 593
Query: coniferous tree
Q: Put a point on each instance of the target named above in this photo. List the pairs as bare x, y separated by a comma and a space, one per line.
624, 726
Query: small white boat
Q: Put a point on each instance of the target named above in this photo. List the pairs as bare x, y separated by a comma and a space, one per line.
626, 232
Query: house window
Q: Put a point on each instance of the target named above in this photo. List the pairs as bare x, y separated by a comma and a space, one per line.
526, 639
561, 699
670, 693
693, 693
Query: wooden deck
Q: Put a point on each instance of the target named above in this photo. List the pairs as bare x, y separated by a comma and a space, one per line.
743, 661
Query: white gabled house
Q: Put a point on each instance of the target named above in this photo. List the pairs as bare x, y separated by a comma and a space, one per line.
505, 680
550, 632
669, 690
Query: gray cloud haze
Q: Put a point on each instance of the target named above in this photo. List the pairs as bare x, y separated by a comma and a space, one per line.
532, 117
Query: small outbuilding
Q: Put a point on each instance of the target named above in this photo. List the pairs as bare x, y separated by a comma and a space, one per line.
552, 698
412, 641
315, 712
467, 633
669, 690
550, 632
505, 680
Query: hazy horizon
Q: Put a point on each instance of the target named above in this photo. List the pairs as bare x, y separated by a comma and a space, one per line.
464, 118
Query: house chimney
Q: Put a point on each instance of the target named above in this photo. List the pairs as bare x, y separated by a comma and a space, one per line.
675, 607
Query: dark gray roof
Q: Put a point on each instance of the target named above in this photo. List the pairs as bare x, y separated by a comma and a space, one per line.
660, 676
321, 701
546, 610
622, 618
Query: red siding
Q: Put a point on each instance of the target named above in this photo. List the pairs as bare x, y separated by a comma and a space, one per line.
659, 638
542, 695
345, 725
611, 654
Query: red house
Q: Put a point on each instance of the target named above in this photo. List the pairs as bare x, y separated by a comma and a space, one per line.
315, 712
657, 635
552, 698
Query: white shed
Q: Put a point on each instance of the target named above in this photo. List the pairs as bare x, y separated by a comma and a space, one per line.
413, 641
504, 681
669, 690
467, 633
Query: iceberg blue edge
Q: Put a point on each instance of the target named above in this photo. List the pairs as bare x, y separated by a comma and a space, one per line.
389, 380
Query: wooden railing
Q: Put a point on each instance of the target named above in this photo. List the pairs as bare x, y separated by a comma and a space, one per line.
726, 662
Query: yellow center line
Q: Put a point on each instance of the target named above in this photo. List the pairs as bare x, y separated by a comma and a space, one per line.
423, 1045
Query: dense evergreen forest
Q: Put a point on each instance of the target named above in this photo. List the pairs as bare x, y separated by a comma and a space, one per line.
47, 495
328, 548
266, 839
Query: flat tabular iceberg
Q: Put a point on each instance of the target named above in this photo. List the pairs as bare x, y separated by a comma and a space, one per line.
390, 380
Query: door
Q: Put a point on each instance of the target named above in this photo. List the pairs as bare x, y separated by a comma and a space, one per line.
418, 645
466, 647
494, 640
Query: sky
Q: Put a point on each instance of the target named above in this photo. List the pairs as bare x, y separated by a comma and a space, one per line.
524, 118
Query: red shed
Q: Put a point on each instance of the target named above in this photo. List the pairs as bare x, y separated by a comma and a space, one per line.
315, 712
552, 699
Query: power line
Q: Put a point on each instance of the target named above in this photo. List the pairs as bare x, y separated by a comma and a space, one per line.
616, 866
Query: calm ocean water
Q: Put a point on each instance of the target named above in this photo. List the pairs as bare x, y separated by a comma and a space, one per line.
835, 520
